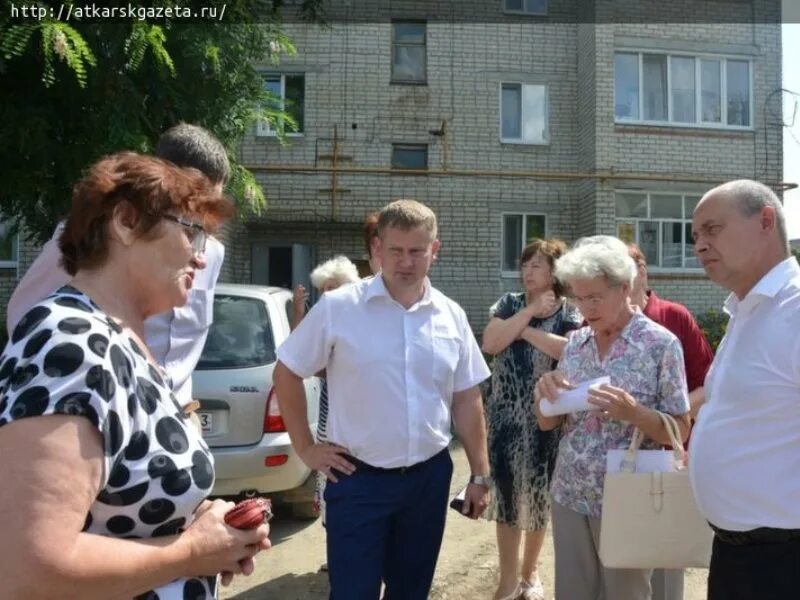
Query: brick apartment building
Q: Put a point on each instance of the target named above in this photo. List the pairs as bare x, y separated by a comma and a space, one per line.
512, 119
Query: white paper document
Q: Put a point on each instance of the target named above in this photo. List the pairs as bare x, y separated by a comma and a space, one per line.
574, 400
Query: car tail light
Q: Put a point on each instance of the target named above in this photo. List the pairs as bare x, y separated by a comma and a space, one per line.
273, 421
276, 460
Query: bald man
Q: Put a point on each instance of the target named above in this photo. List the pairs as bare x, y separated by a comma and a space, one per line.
745, 447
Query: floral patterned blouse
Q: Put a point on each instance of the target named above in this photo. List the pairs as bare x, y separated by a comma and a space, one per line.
645, 360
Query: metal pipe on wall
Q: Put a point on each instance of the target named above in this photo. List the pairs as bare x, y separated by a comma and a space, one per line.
543, 175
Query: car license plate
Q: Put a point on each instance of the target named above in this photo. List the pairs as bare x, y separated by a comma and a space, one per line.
206, 422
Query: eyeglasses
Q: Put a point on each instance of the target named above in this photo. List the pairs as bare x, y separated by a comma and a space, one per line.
592, 300
195, 232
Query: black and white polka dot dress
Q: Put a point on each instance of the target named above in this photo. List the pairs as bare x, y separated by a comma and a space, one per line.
67, 357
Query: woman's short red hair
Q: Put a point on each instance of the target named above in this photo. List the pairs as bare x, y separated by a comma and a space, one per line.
370, 231
151, 186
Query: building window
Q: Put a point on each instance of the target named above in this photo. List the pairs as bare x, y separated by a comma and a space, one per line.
523, 113
661, 224
525, 7
519, 230
409, 61
9, 245
682, 90
410, 156
288, 94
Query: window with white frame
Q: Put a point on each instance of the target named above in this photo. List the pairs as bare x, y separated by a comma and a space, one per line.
525, 7
409, 52
524, 113
704, 91
519, 230
9, 245
288, 94
661, 224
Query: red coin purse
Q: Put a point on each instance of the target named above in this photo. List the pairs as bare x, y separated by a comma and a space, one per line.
250, 513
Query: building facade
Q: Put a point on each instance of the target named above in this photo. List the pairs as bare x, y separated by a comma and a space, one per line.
513, 119
552, 118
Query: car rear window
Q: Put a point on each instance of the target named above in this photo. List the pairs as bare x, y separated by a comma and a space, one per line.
240, 336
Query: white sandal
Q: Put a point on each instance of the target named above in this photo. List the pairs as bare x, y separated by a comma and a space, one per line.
531, 590
513, 595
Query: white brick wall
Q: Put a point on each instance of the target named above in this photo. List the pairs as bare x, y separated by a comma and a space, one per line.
347, 69
347, 81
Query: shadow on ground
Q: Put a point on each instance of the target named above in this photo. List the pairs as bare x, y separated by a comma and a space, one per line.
308, 586
284, 527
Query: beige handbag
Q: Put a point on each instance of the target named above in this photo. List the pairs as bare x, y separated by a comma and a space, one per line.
650, 520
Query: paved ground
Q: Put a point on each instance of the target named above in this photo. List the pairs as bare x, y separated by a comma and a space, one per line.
467, 568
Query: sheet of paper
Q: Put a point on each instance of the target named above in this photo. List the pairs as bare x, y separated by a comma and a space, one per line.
574, 400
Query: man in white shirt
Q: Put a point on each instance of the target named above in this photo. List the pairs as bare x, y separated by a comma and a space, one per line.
744, 454
176, 337
401, 362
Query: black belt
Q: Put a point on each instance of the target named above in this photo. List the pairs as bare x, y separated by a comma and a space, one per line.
761, 535
368, 468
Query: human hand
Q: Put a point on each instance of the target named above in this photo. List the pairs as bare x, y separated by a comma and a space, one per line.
248, 565
476, 499
299, 298
544, 305
614, 403
549, 386
216, 547
324, 457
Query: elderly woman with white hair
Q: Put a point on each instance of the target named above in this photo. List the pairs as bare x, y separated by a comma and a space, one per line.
334, 273
644, 362
326, 277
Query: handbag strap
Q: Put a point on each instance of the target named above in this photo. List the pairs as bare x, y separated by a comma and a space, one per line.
671, 425
628, 464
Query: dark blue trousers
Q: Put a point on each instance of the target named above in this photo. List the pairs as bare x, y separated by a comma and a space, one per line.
386, 526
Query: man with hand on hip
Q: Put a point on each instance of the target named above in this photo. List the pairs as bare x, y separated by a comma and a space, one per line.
401, 362
745, 446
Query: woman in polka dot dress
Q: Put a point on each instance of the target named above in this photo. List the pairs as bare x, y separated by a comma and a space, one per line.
104, 479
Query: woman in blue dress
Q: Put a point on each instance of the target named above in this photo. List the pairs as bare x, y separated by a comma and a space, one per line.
526, 334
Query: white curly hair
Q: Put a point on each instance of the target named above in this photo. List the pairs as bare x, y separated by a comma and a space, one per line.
338, 269
597, 256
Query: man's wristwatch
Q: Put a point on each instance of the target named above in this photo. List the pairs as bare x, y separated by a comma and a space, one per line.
483, 480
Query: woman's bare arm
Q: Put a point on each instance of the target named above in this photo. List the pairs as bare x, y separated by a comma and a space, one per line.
549, 343
53, 469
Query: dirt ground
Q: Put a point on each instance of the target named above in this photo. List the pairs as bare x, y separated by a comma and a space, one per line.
467, 568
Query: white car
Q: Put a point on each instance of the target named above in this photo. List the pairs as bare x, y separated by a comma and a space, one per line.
239, 410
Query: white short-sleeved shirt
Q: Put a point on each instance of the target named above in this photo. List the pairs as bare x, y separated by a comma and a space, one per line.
175, 337
67, 357
744, 454
391, 371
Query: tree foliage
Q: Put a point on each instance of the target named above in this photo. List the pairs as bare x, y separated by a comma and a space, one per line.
713, 323
73, 92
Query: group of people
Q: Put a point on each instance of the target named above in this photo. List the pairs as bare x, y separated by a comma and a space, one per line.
110, 475
527, 333
403, 369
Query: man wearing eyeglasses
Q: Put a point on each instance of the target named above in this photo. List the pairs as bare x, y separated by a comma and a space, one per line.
176, 337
